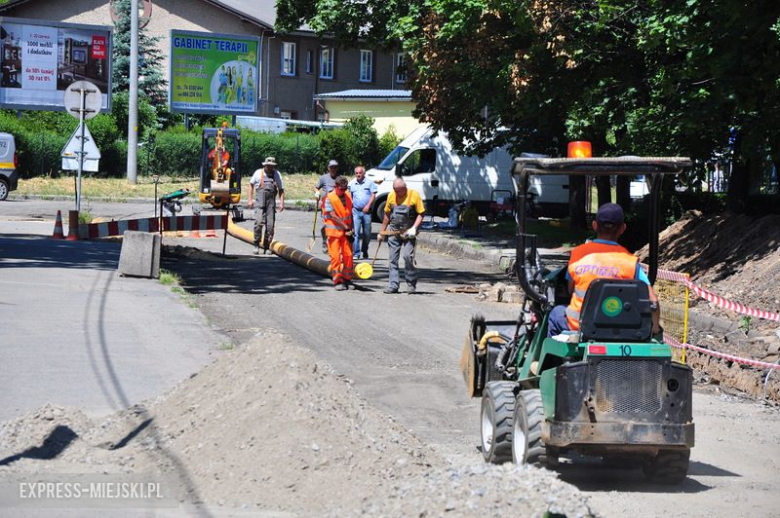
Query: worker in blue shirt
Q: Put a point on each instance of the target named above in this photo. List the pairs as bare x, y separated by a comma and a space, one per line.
363, 191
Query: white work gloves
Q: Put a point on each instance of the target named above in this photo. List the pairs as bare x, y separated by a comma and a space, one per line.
317, 194
411, 233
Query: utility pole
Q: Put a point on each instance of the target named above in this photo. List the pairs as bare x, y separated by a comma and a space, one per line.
132, 119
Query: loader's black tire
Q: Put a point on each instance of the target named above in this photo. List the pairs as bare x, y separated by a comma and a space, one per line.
668, 467
498, 411
527, 444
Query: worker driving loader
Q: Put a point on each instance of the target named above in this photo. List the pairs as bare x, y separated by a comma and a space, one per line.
600, 258
608, 385
220, 178
220, 163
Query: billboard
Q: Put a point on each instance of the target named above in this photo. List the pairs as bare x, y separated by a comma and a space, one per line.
41, 58
213, 73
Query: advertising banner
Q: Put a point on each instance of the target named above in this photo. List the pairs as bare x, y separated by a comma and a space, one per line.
213, 73
41, 58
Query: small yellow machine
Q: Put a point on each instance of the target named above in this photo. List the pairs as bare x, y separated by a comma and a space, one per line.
220, 174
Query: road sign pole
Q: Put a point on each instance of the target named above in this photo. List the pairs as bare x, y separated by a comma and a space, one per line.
82, 125
132, 117
83, 100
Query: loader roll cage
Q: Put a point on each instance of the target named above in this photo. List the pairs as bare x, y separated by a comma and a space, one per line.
529, 269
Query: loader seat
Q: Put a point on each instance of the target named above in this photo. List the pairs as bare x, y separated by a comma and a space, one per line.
616, 311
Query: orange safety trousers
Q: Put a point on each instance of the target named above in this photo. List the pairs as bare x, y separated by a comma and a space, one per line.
341, 265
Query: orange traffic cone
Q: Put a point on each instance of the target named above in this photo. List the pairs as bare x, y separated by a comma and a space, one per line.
73, 225
211, 233
195, 233
58, 234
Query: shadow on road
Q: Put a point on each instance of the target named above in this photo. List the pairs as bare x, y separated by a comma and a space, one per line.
270, 274
593, 476
44, 252
708, 470
57, 441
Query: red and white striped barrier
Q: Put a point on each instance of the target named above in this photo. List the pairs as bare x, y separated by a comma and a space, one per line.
173, 224
719, 301
731, 305
723, 356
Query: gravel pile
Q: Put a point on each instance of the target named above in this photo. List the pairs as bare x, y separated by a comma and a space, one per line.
269, 427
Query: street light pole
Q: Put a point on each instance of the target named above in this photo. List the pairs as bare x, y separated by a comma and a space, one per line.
132, 119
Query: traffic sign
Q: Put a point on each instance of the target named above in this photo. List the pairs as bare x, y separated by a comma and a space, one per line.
70, 153
93, 99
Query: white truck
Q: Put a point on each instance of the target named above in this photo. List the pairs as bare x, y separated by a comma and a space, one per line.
431, 166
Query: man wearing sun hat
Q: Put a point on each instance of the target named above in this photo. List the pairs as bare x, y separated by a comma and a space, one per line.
263, 188
599, 258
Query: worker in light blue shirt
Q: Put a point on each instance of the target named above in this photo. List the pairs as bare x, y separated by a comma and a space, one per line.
363, 191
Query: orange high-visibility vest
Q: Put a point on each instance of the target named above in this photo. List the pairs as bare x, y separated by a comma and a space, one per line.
594, 247
339, 220
600, 265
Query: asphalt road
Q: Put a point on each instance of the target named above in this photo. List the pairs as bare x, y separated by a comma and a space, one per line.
402, 351
76, 333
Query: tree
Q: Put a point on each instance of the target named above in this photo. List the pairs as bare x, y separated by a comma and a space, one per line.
151, 80
647, 77
364, 140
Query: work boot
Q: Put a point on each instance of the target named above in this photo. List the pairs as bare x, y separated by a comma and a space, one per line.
341, 287
256, 251
411, 289
390, 290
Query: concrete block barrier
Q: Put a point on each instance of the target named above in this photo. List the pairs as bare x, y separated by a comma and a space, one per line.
140, 255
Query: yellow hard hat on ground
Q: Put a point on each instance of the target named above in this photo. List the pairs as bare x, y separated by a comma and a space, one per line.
364, 271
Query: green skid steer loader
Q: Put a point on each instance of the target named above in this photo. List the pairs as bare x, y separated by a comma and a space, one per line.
610, 390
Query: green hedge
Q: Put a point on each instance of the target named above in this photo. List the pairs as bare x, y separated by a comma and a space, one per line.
294, 152
41, 136
175, 154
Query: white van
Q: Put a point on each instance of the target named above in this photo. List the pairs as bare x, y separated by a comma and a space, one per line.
431, 166
9, 176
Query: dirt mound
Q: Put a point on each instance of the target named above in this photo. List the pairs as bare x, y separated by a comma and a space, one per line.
738, 258
269, 427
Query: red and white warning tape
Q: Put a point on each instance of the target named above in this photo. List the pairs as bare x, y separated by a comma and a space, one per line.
723, 356
717, 299
173, 223
669, 275
733, 306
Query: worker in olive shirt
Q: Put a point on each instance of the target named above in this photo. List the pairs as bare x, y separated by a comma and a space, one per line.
325, 185
403, 215
264, 185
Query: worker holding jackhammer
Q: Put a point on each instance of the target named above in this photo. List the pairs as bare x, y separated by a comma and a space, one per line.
263, 188
600, 258
404, 212
339, 230
325, 186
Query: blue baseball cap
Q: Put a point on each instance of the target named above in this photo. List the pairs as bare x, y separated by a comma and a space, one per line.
611, 214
